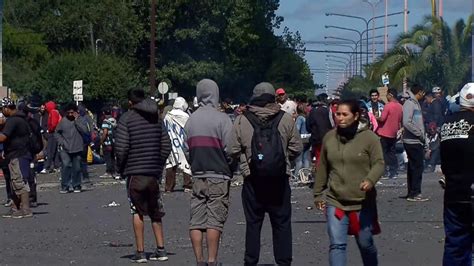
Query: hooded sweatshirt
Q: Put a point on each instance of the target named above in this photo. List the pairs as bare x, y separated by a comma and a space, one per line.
141, 142
53, 116
344, 164
175, 120
242, 133
207, 132
69, 134
414, 127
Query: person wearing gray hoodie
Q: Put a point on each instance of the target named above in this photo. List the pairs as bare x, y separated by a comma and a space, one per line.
70, 142
265, 192
414, 142
207, 133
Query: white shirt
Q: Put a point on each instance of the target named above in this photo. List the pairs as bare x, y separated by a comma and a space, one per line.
289, 107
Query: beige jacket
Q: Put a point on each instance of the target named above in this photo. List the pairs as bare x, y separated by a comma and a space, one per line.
241, 137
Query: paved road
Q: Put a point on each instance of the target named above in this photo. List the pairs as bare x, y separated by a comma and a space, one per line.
76, 229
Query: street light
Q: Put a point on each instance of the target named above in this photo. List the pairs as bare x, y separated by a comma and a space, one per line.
360, 38
97, 46
354, 49
367, 22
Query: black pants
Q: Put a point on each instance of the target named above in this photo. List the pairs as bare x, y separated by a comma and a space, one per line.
109, 157
389, 155
459, 234
280, 218
415, 155
52, 154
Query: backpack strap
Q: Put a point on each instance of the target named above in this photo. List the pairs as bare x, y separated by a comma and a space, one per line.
257, 123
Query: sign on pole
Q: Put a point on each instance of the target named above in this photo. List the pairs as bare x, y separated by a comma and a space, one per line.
172, 95
77, 91
385, 79
163, 89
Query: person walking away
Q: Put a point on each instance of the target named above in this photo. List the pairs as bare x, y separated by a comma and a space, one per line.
69, 135
375, 106
390, 123
52, 160
266, 140
457, 151
175, 120
107, 142
15, 137
304, 159
87, 142
318, 124
350, 166
4, 167
414, 141
42, 118
141, 148
207, 132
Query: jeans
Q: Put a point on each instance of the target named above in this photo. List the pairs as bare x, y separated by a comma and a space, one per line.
71, 170
459, 234
416, 156
280, 219
109, 158
303, 160
29, 176
337, 230
435, 157
389, 155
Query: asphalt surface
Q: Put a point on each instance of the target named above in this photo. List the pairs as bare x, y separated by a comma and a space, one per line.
77, 229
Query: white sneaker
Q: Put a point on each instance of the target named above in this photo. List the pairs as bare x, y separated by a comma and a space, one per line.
44, 171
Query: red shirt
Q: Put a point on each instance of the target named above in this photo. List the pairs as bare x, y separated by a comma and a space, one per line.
390, 120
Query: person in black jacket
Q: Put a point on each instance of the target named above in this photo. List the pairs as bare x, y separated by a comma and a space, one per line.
318, 124
457, 152
142, 146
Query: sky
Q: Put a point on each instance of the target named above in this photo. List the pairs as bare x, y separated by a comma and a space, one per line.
308, 17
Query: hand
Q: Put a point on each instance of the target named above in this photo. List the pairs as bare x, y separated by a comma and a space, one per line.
366, 185
320, 205
76, 115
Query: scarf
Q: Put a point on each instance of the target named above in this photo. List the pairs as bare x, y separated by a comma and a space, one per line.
349, 132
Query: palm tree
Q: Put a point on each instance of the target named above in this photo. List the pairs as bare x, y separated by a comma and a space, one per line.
430, 54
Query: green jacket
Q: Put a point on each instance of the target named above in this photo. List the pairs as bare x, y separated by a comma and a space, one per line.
344, 165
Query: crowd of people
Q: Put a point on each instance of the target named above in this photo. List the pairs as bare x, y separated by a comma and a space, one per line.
350, 144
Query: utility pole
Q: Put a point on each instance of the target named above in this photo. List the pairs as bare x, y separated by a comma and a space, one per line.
152, 46
385, 45
405, 28
440, 7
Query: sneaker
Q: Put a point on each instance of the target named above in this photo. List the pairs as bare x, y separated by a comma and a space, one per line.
24, 214
139, 257
8, 203
44, 171
117, 177
63, 191
188, 190
418, 198
10, 213
159, 255
384, 177
77, 190
442, 182
106, 175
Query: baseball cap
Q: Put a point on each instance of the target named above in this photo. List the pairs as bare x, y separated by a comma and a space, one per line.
436, 90
6, 102
280, 91
466, 95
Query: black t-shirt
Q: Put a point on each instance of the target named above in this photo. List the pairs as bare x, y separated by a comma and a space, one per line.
457, 156
17, 132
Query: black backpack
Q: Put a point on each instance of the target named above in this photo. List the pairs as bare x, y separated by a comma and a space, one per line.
35, 139
268, 160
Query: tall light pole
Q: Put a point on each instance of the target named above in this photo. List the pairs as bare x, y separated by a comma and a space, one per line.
374, 4
152, 46
360, 38
353, 49
367, 22
386, 30
405, 15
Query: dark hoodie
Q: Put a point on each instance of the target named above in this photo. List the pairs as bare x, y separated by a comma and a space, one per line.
142, 143
207, 132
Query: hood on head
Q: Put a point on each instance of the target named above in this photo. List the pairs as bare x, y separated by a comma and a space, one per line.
180, 103
207, 93
50, 106
147, 106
